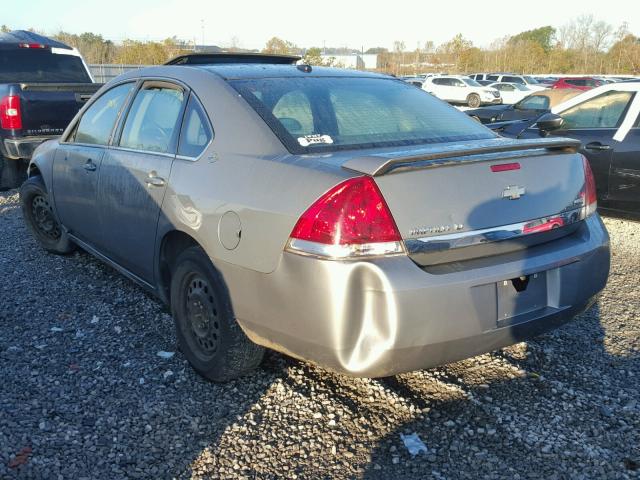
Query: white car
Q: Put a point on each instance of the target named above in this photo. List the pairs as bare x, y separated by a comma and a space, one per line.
461, 89
511, 92
526, 80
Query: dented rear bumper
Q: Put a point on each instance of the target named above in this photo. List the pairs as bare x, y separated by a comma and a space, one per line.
388, 315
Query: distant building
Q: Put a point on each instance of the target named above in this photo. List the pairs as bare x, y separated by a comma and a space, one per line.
358, 61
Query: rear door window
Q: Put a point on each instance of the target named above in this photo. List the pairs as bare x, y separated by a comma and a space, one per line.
97, 122
196, 132
152, 121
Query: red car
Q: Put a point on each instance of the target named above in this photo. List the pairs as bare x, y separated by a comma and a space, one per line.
579, 83
543, 225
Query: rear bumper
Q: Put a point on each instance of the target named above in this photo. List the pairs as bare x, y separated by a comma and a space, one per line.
386, 316
16, 148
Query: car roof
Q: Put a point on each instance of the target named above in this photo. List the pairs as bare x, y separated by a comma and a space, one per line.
232, 57
18, 37
233, 71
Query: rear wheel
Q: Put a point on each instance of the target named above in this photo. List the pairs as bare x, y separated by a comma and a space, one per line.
207, 330
473, 100
12, 173
41, 219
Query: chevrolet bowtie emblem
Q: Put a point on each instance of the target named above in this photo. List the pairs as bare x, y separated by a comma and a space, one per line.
513, 192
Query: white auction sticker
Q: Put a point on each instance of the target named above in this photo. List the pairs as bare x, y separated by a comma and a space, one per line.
316, 139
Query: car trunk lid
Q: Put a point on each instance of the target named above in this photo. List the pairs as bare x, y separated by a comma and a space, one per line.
459, 201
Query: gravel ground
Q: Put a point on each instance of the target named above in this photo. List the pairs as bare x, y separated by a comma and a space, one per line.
84, 393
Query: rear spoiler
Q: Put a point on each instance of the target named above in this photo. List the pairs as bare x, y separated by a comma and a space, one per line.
442, 155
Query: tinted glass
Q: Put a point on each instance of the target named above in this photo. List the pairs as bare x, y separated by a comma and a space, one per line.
40, 65
293, 110
97, 122
492, 77
339, 113
471, 82
196, 132
603, 111
440, 81
511, 79
531, 80
534, 102
152, 119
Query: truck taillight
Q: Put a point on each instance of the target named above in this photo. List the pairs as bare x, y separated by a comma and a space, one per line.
32, 45
10, 115
590, 195
352, 219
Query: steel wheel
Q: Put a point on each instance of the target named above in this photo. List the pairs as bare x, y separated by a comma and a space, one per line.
44, 219
202, 316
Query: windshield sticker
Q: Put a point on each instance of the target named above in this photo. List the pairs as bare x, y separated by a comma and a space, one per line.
316, 139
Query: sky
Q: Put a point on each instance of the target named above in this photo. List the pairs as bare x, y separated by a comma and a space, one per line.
334, 23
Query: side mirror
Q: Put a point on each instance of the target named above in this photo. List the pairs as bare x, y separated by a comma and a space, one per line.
548, 122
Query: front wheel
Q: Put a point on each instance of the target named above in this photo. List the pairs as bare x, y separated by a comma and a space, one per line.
207, 331
473, 100
41, 219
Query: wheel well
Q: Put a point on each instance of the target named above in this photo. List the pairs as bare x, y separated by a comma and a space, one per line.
33, 170
173, 243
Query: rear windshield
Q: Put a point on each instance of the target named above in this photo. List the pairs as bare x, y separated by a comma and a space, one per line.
41, 66
329, 113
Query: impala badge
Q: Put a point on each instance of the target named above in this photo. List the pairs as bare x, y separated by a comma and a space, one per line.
513, 192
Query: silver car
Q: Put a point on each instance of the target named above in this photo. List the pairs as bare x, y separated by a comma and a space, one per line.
341, 217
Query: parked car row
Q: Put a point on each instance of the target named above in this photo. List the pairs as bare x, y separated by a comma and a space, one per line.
461, 89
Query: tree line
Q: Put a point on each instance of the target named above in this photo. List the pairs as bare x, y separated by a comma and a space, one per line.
583, 45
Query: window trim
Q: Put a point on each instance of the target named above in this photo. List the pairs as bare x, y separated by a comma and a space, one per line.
122, 120
182, 122
73, 127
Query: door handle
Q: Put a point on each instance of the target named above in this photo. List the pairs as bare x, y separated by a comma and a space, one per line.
597, 146
90, 166
153, 181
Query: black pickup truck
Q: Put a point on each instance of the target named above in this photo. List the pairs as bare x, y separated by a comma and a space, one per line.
43, 84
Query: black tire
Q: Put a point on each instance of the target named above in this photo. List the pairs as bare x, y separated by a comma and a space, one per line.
12, 173
473, 100
41, 219
208, 333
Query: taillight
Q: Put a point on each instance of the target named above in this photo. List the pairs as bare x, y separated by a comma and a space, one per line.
590, 195
350, 220
10, 115
32, 45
